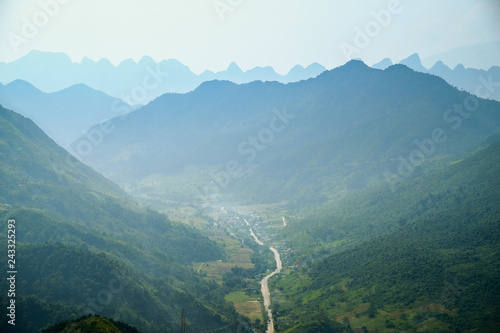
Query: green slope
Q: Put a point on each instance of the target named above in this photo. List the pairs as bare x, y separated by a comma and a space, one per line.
72, 211
72, 282
63, 115
30, 155
94, 324
436, 271
34, 174
301, 142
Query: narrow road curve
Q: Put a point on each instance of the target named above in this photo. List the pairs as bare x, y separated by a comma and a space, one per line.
264, 286
252, 233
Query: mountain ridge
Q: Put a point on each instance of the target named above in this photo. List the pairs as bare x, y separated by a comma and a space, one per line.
161, 77
86, 221
63, 114
471, 80
336, 109
418, 241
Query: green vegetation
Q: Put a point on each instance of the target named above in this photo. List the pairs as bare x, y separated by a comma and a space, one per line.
91, 324
362, 251
436, 267
35, 174
337, 133
75, 228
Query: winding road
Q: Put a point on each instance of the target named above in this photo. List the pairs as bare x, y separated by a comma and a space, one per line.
264, 286
252, 233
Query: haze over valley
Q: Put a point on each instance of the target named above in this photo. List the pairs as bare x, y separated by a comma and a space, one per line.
181, 168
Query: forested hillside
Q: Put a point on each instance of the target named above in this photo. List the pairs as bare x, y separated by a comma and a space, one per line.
64, 114
192, 167
372, 236
347, 129
91, 323
435, 270
75, 229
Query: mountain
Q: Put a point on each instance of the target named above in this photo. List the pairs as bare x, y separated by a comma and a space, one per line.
383, 64
480, 56
135, 82
38, 174
297, 72
388, 180
91, 323
78, 235
483, 83
428, 264
63, 115
270, 142
414, 63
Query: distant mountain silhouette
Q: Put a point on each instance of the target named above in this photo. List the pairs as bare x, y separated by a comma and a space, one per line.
414, 63
480, 56
386, 62
135, 82
485, 83
341, 129
66, 207
63, 115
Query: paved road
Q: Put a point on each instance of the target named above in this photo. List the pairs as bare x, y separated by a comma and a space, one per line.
252, 233
264, 286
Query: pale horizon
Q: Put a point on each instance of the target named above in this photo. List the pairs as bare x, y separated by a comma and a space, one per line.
211, 35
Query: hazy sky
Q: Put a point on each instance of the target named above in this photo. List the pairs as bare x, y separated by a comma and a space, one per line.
210, 34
